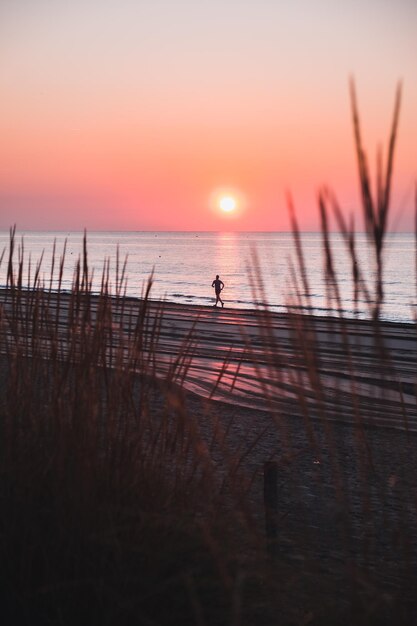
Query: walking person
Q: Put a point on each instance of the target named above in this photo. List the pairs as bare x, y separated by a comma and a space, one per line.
218, 288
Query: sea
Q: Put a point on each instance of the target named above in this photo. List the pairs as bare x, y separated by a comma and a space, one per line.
258, 269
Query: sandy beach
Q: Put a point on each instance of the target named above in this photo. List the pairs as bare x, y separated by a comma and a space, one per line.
262, 360
343, 444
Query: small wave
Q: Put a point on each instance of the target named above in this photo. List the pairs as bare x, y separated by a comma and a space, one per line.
186, 295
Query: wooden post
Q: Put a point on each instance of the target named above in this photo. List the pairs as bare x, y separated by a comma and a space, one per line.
271, 506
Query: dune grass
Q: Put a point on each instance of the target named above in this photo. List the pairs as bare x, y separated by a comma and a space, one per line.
109, 494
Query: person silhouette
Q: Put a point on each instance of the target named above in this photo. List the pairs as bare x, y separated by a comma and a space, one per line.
218, 288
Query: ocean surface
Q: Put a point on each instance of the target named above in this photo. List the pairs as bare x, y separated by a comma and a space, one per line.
184, 265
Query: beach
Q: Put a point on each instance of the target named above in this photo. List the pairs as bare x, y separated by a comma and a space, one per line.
262, 359
330, 402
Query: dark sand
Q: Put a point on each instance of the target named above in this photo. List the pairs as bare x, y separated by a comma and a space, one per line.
346, 487
264, 360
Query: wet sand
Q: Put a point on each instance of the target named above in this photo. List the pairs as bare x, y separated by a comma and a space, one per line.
344, 370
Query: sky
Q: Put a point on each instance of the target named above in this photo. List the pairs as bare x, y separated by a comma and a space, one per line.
144, 114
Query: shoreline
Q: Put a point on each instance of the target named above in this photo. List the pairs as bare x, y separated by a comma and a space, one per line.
255, 308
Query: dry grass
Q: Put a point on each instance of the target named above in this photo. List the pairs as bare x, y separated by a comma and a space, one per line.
109, 494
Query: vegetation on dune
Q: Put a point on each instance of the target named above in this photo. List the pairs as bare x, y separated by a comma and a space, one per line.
125, 500
108, 490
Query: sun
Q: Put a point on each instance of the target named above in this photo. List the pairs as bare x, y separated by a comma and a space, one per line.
227, 204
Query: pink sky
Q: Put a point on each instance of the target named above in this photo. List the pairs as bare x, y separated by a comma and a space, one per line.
130, 115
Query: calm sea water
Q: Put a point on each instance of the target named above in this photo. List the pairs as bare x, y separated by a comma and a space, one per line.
185, 265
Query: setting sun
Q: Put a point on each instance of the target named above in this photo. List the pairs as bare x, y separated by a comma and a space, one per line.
227, 203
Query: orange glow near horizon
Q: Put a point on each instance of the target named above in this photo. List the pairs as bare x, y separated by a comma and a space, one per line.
156, 118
